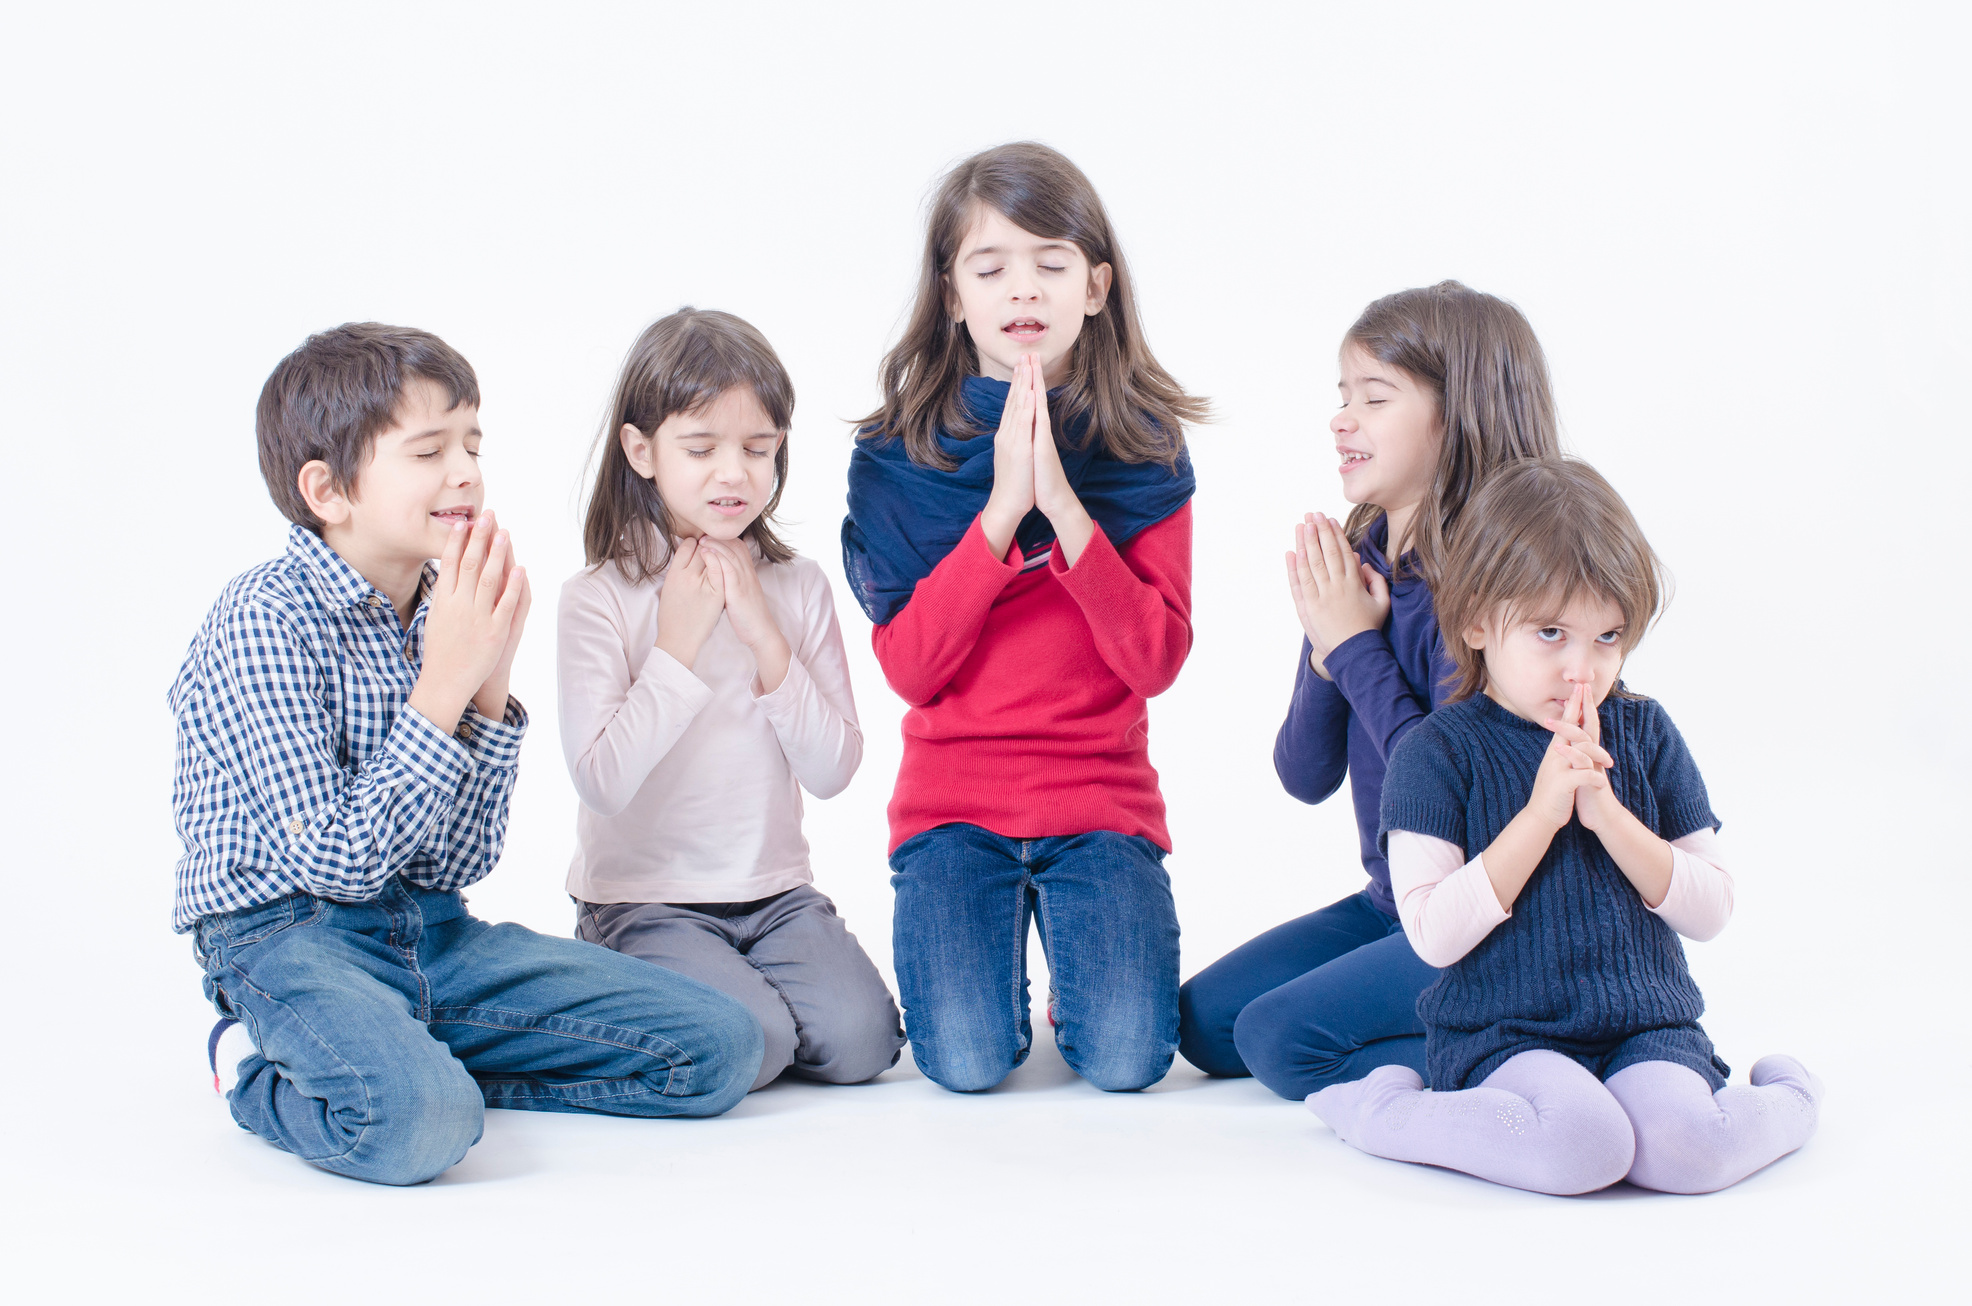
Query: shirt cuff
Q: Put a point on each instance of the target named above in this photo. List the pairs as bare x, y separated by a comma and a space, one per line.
673, 678
1364, 644
494, 743
426, 753
785, 697
1100, 566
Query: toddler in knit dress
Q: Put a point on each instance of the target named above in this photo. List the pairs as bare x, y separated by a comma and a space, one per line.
1549, 838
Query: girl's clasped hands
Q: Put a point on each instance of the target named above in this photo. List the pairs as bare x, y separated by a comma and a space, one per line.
708, 577
1336, 594
1027, 470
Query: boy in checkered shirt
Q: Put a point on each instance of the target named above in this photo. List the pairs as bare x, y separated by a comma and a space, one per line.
347, 750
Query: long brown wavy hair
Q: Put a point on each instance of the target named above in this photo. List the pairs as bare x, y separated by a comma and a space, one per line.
1133, 405
680, 364
1480, 357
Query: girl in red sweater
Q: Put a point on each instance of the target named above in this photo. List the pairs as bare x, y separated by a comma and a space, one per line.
1020, 532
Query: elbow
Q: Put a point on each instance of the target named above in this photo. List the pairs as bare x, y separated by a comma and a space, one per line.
602, 799
1431, 952
835, 780
1310, 786
915, 690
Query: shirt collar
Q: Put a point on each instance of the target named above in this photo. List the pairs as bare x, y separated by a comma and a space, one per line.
341, 583
331, 573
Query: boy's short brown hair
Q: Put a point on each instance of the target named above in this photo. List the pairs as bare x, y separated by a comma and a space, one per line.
330, 399
1539, 534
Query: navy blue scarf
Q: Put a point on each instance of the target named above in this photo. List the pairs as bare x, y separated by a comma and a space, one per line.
904, 518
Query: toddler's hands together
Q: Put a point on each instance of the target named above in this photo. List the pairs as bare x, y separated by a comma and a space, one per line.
1572, 779
1595, 805
689, 605
1336, 594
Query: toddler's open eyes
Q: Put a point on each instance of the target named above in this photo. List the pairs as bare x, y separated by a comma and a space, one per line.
1609, 637
1549, 635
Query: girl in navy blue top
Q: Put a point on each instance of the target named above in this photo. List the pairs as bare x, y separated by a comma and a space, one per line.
1440, 387
1549, 838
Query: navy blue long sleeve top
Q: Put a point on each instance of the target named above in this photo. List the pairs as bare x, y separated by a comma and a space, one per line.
1383, 682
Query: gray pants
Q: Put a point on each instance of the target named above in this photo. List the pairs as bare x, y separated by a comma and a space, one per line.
826, 1012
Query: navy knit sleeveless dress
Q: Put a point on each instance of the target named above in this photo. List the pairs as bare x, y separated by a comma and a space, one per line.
1581, 967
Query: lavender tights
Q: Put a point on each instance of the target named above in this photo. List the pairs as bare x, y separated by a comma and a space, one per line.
1544, 1123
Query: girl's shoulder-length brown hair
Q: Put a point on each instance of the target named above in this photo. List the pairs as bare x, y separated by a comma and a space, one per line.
1541, 533
680, 364
1130, 402
1479, 357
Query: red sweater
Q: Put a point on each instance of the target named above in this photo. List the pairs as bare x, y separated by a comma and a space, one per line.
1027, 688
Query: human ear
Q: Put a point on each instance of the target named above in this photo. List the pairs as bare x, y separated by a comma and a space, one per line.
1099, 278
1475, 636
953, 308
637, 448
318, 490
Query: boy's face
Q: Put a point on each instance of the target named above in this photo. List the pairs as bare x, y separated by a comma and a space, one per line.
1019, 293
423, 476
1533, 665
713, 468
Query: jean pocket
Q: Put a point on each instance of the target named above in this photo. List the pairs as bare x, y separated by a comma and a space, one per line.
236, 929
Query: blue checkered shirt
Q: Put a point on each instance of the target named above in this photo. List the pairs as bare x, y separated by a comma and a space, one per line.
300, 769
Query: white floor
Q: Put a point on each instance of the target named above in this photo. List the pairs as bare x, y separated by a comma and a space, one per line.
1041, 1191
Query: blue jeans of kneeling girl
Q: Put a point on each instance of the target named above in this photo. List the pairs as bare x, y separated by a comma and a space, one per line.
1109, 930
384, 1028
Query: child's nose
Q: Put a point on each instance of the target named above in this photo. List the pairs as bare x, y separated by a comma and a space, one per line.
1343, 423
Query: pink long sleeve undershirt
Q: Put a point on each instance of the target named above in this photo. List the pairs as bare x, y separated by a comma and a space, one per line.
1447, 904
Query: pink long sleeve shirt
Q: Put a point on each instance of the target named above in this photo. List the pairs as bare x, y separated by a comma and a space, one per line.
690, 781
1447, 904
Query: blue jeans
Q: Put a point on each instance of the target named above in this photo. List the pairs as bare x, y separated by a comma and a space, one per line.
1108, 928
384, 1028
1321, 1000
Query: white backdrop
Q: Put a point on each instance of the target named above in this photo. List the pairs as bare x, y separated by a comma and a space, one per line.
1739, 232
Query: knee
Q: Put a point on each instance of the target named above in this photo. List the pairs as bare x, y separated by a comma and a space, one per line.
968, 1064
1124, 1070
1206, 1015
1596, 1139
858, 1049
421, 1129
726, 1059
1280, 1048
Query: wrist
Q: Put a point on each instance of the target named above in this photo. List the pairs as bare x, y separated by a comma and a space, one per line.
491, 700
1535, 821
999, 523
682, 648
440, 704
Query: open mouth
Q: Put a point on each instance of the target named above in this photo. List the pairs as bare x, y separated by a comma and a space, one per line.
728, 507
450, 515
1025, 328
1352, 458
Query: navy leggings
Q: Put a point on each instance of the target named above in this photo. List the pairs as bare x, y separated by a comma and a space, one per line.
1321, 1000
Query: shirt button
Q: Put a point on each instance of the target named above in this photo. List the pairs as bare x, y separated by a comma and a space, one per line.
465, 730
376, 600
296, 826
